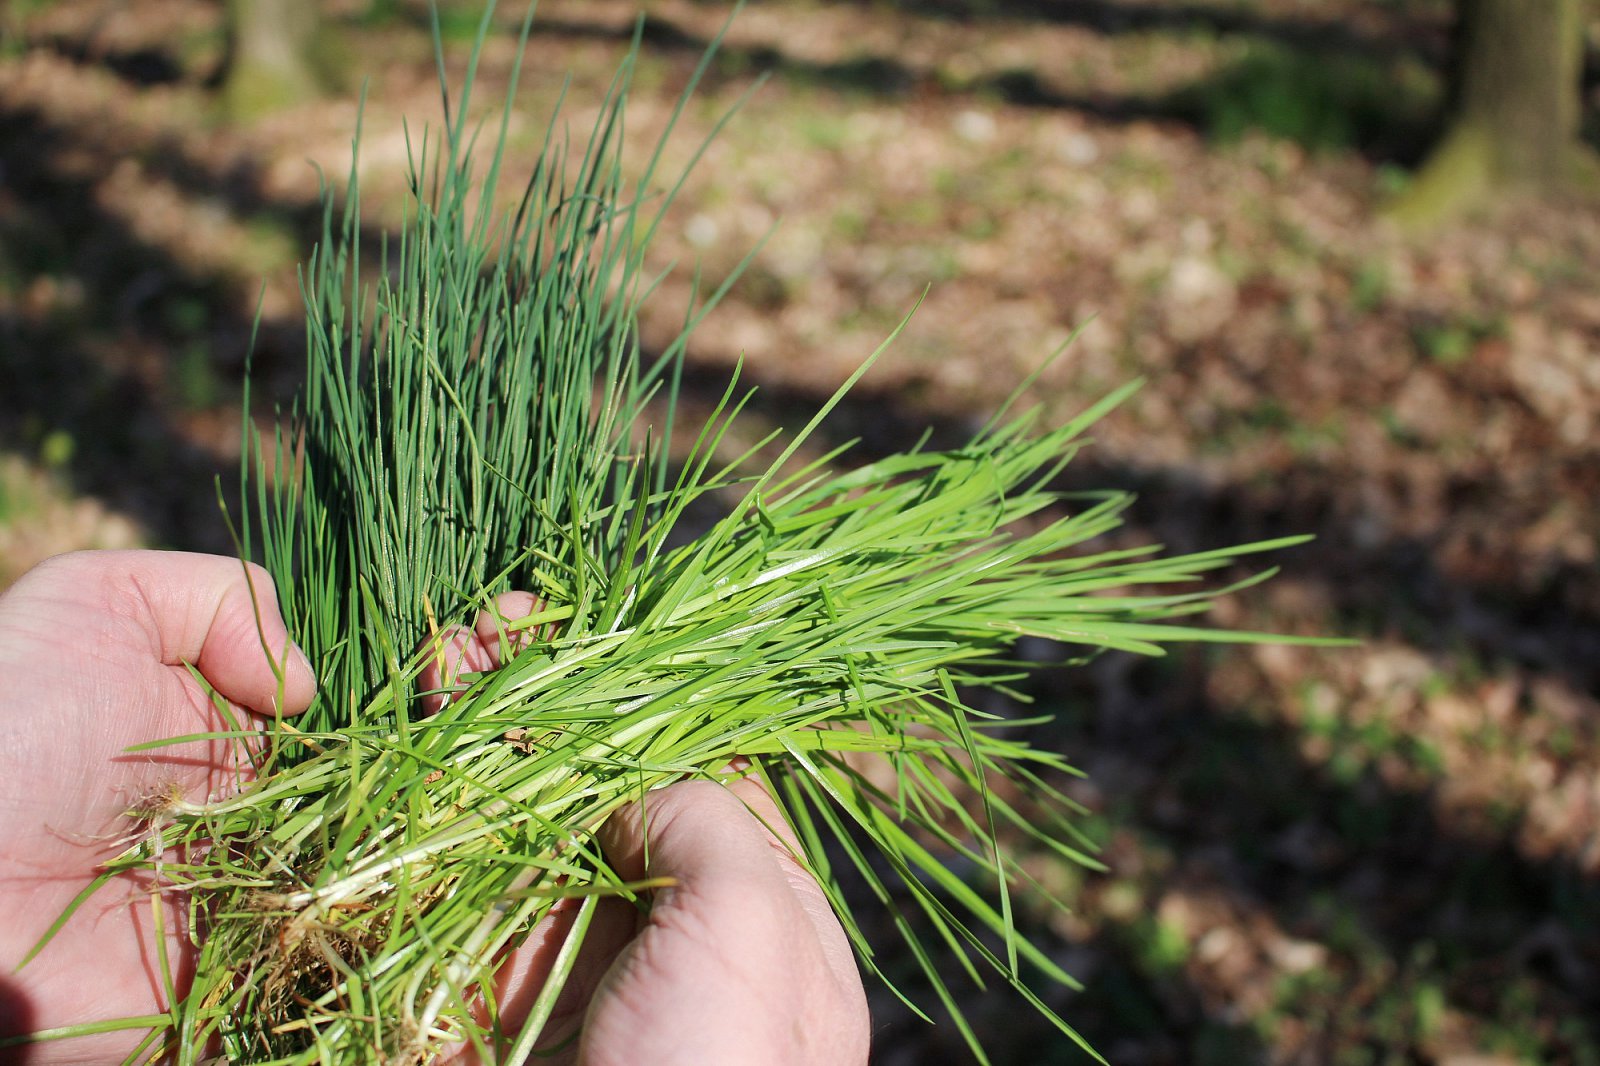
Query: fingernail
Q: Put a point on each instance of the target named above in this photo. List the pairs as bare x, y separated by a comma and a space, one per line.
301, 657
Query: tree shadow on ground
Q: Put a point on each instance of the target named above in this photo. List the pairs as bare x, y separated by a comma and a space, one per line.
138, 66
1337, 855
143, 337
1420, 30
1115, 17
123, 445
1322, 97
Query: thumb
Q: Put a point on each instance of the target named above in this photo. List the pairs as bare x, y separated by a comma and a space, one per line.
732, 964
713, 839
213, 612
696, 829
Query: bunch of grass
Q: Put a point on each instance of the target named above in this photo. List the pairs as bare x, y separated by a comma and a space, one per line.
477, 417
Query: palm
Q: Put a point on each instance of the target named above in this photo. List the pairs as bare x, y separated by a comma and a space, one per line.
94, 664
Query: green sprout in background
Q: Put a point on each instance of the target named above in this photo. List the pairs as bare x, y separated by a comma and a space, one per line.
478, 417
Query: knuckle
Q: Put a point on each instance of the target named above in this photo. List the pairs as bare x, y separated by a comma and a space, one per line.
261, 580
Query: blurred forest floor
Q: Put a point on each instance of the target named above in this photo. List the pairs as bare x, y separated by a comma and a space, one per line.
1388, 854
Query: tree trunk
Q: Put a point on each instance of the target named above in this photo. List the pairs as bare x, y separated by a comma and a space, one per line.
1514, 107
272, 56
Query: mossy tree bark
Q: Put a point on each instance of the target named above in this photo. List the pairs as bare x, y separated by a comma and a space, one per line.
1514, 108
273, 46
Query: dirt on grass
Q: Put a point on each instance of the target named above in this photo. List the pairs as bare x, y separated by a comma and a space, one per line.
1384, 854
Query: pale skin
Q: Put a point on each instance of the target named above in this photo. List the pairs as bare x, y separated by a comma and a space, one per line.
741, 961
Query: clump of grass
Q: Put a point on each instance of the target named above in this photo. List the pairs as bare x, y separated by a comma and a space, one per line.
476, 418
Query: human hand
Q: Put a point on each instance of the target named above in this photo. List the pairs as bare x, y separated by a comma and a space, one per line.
92, 652
740, 961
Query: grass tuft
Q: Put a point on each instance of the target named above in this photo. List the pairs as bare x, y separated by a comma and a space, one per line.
476, 418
